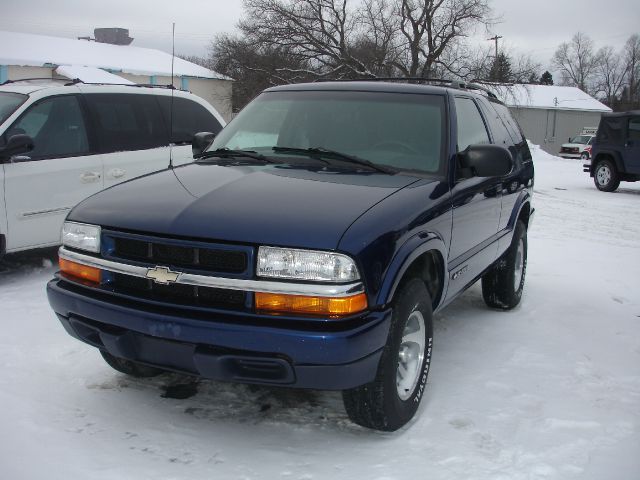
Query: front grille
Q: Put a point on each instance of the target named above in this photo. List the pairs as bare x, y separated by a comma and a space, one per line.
210, 259
568, 150
177, 293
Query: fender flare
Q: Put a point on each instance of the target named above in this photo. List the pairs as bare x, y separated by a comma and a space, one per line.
610, 153
524, 199
413, 248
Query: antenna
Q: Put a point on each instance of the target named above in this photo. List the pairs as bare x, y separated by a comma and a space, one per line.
173, 56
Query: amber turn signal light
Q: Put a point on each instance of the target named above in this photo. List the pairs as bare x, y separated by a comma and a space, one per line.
331, 307
79, 271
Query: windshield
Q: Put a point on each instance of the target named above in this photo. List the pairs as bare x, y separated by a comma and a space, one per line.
581, 139
8, 104
403, 131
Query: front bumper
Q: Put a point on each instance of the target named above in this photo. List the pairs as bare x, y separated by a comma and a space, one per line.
224, 347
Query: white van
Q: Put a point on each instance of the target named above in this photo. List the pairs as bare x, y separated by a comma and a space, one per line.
85, 138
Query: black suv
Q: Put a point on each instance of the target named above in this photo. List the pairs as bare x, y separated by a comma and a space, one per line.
309, 244
616, 151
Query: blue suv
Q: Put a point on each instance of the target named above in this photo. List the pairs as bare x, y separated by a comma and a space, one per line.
616, 151
309, 244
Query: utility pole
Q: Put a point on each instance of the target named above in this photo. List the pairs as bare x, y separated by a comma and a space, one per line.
495, 39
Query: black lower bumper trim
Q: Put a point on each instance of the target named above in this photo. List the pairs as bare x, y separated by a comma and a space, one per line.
218, 363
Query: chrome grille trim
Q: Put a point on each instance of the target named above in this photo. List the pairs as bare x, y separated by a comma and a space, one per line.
284, 288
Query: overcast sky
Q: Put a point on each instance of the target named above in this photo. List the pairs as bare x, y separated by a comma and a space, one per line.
533, 26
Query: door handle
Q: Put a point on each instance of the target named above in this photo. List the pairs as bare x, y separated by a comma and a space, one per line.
90, 177
117, 173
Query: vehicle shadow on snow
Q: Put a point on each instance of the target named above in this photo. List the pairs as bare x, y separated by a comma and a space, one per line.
627, 191
228, 403
27, 262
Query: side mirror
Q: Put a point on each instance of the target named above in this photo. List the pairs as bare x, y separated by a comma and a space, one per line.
486, 161
201, 142
16, 145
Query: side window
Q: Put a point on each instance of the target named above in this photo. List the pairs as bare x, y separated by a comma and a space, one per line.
634, 129
189, 118
471, 127
499, 132
521, 152
610, 130
126, 122
57, 127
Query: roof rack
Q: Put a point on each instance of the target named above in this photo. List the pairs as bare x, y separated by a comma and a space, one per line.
477, 84
460, 84
76, 81
49, 79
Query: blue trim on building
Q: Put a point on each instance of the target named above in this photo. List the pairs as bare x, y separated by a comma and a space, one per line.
4, 73
153, 80
184, 83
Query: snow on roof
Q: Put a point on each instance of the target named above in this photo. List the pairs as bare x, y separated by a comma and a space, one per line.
26, 49
90, 75
548, 97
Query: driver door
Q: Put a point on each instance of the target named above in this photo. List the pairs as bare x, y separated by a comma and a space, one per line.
477, 205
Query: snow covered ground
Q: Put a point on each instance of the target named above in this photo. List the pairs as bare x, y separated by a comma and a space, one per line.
550, 390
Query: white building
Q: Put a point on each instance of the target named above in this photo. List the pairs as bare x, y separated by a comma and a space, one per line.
550, 114
37, 56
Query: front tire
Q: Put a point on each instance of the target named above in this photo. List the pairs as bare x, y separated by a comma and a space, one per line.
503, 284
128, 367
606, 177
393, 397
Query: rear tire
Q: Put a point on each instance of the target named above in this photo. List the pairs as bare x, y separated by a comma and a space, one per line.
393, 397
503, 284
605, 176
129, 367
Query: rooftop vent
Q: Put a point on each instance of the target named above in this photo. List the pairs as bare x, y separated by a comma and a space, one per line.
114, 36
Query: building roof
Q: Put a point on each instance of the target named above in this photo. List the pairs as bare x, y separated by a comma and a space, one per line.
547, 97
27, 49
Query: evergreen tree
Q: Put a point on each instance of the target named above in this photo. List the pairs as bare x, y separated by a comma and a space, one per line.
546, 78
501, 69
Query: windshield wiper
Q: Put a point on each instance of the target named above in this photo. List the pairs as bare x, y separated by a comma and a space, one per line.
343, 157
228, 153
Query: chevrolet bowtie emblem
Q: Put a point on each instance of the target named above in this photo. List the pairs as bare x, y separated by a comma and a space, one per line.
162, 275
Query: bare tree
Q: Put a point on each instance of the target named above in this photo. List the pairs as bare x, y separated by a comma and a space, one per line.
610, 75
321, 32
254, 68
577, 61
632, 64
430, 29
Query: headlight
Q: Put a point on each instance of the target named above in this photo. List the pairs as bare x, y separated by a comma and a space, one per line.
307, 265
81, 236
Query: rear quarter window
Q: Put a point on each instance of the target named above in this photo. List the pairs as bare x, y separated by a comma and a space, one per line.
611, 130
520, 149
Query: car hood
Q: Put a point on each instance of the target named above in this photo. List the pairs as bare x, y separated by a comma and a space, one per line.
272, 205
574, 145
